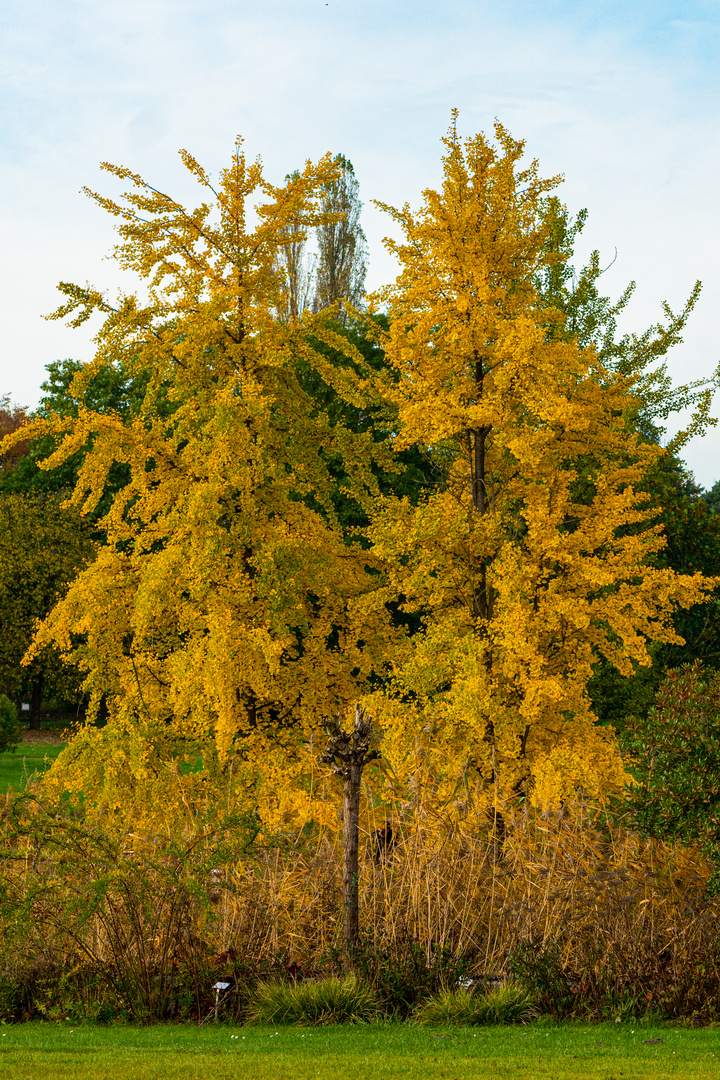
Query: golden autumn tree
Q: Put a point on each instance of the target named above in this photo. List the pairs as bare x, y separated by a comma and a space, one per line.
219, 618
536, 557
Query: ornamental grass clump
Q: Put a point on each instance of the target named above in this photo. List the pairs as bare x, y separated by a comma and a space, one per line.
505, 1004
508, 1003
325, 1001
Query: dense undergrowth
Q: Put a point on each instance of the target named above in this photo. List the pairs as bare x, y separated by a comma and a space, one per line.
588, 919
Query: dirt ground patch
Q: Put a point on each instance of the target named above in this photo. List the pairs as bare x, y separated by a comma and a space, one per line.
43, 736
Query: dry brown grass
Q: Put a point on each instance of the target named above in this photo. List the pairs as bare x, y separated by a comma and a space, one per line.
600, 914
450, 883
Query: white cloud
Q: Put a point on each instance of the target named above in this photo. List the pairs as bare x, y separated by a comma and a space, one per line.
622, 98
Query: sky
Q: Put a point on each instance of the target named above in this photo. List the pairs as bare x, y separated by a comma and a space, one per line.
620, 97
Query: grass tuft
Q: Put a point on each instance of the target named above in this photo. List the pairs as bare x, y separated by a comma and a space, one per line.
506, 1004
326, 1001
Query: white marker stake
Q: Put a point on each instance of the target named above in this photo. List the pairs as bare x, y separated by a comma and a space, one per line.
217, 988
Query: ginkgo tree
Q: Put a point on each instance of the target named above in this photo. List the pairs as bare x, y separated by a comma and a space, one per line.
537, 557
222, 617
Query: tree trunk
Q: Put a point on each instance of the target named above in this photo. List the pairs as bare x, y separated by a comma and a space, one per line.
351, 830
36, 703
348, 752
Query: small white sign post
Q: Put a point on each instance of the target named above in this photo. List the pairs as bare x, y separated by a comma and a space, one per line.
217, 988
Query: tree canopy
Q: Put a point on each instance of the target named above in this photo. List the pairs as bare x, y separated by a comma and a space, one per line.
224, 612
43, 545
442, 508
538, 556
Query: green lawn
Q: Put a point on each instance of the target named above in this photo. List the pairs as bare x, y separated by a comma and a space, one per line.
541, 1051
16, 767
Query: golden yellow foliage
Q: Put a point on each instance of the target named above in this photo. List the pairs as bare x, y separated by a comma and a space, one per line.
228, 614
536, 557
219, 617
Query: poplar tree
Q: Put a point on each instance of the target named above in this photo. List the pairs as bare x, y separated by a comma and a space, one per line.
297, 266
342, 252
335, 272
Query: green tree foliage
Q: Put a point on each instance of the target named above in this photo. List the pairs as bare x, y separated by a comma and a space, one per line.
676, 750
107, 392
409, 472
592, 319
43, 545
693, 535
712, 498
693, 544
9, 726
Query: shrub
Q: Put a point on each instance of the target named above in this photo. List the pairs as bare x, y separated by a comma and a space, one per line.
9, 726
407, 972
591, 919
676, 749
506, 1004
142, 908
538, 967
325, 1001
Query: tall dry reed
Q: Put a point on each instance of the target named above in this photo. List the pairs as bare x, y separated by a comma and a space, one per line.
626, 919
595, 918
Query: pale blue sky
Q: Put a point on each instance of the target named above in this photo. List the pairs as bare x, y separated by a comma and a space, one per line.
620, 97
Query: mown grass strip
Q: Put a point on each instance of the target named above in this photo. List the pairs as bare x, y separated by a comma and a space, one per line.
377, 1051
15, 767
